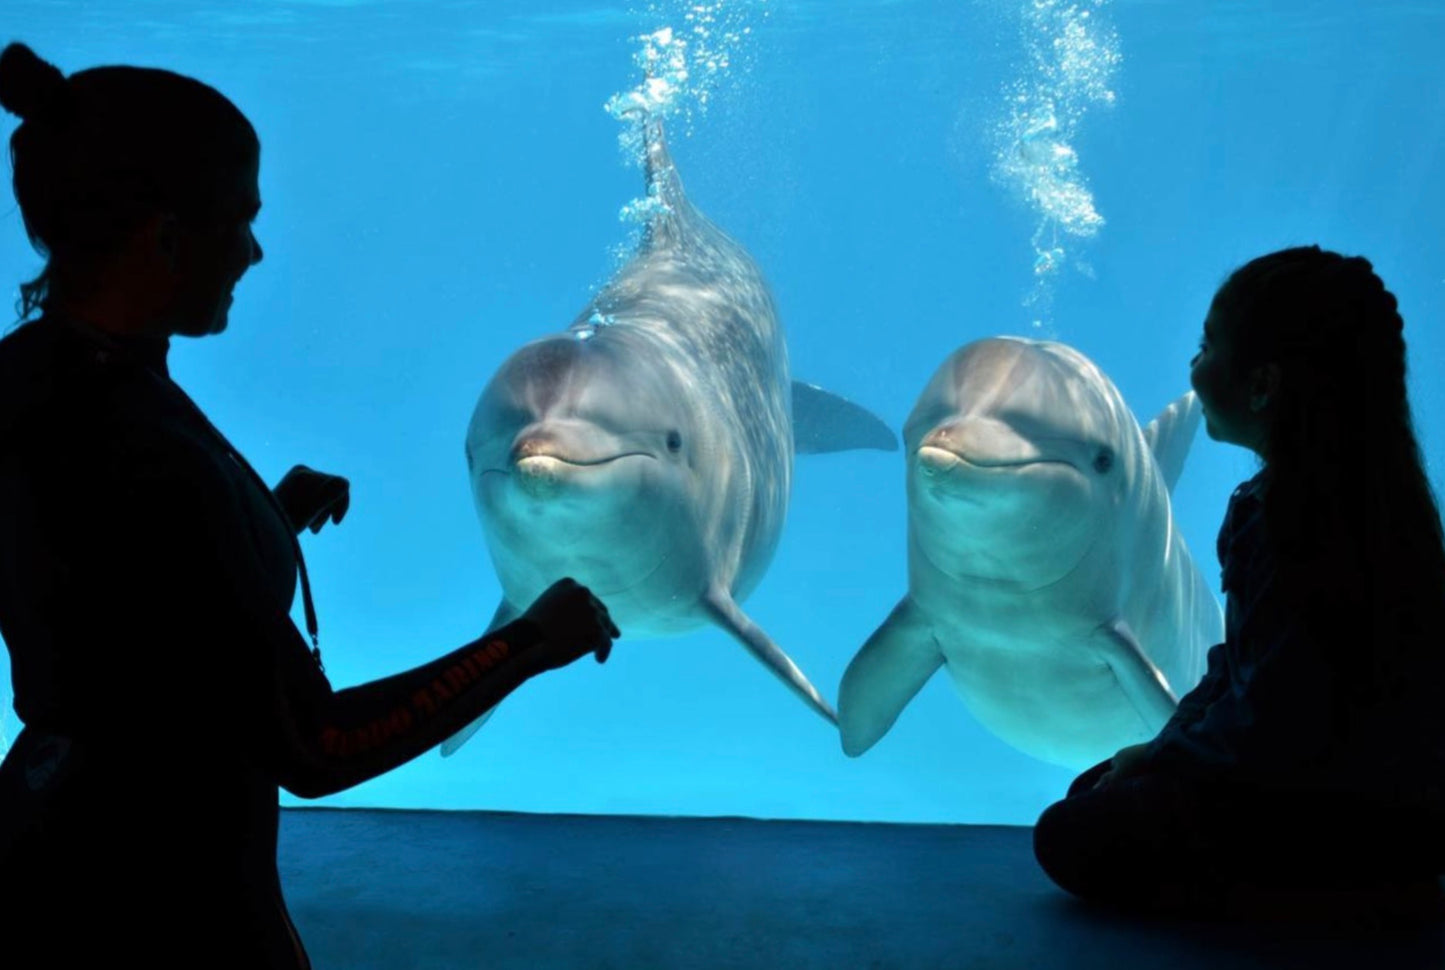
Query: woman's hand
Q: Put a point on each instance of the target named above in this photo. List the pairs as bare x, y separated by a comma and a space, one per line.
310, 497
1126, 764
573, 623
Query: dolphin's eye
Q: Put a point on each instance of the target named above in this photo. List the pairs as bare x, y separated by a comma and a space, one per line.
1103, 461
674, 441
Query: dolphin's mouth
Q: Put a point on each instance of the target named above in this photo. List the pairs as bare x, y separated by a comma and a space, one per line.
544, 476
543, 459
533, 462
932, 456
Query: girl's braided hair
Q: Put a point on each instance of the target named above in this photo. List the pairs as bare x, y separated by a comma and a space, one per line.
1349, 506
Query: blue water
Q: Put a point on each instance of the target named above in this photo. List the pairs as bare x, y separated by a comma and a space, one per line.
441, 183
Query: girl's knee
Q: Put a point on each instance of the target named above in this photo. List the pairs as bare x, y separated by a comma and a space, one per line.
1062, 849
1119, 844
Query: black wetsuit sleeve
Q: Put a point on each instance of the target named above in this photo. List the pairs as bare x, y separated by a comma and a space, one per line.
210, 649
328, 741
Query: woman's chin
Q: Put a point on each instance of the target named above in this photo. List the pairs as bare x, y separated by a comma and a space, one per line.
215, 323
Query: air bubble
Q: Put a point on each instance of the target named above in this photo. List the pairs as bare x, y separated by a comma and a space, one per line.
1072, 58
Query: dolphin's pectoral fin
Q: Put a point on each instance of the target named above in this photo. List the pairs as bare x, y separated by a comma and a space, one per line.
728, 615
451, 744
823, 422
1170, 435
505, 614
1142, 682
884, 676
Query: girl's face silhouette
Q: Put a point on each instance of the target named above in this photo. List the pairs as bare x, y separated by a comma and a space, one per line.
1233, 399
211, 256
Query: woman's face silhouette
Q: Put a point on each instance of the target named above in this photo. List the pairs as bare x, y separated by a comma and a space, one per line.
212, 254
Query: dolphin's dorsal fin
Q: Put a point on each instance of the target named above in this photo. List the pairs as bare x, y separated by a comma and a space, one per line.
664, 187
1170, 435
662, 178
824, 422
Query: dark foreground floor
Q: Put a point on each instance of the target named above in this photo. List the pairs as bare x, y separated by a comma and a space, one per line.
401, 890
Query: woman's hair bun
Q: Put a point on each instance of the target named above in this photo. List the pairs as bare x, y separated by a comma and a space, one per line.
29, 87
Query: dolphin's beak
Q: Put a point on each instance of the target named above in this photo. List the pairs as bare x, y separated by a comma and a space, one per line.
549, 448
983, 443
533, 446
933, 460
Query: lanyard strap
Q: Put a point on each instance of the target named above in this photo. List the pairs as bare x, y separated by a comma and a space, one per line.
109, 345
311, 625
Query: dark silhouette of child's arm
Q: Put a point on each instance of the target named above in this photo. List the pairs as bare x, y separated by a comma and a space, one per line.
1277, 715
1209, 689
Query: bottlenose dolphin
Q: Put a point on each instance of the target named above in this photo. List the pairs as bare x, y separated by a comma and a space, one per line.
647, 451
1044, 567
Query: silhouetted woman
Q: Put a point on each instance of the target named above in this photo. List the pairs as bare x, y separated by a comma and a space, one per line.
147, 573
1312, 754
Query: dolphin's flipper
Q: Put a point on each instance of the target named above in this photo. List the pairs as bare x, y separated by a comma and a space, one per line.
1170, 435
892, 667
453, 743
823, 422
505, 614
728, 615
1142, 682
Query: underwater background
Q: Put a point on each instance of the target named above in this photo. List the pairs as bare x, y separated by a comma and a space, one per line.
443, 181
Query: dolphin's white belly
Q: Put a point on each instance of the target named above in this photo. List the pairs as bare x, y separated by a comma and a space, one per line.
1028, 665
1053, 699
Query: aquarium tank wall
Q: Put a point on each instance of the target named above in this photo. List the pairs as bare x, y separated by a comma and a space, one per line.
446, 180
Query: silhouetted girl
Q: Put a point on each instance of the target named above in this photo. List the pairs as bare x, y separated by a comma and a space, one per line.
1312, 753
147, 573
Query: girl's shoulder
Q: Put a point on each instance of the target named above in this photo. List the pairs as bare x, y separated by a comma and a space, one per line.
1242, 521
1246, 510
1251, 490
